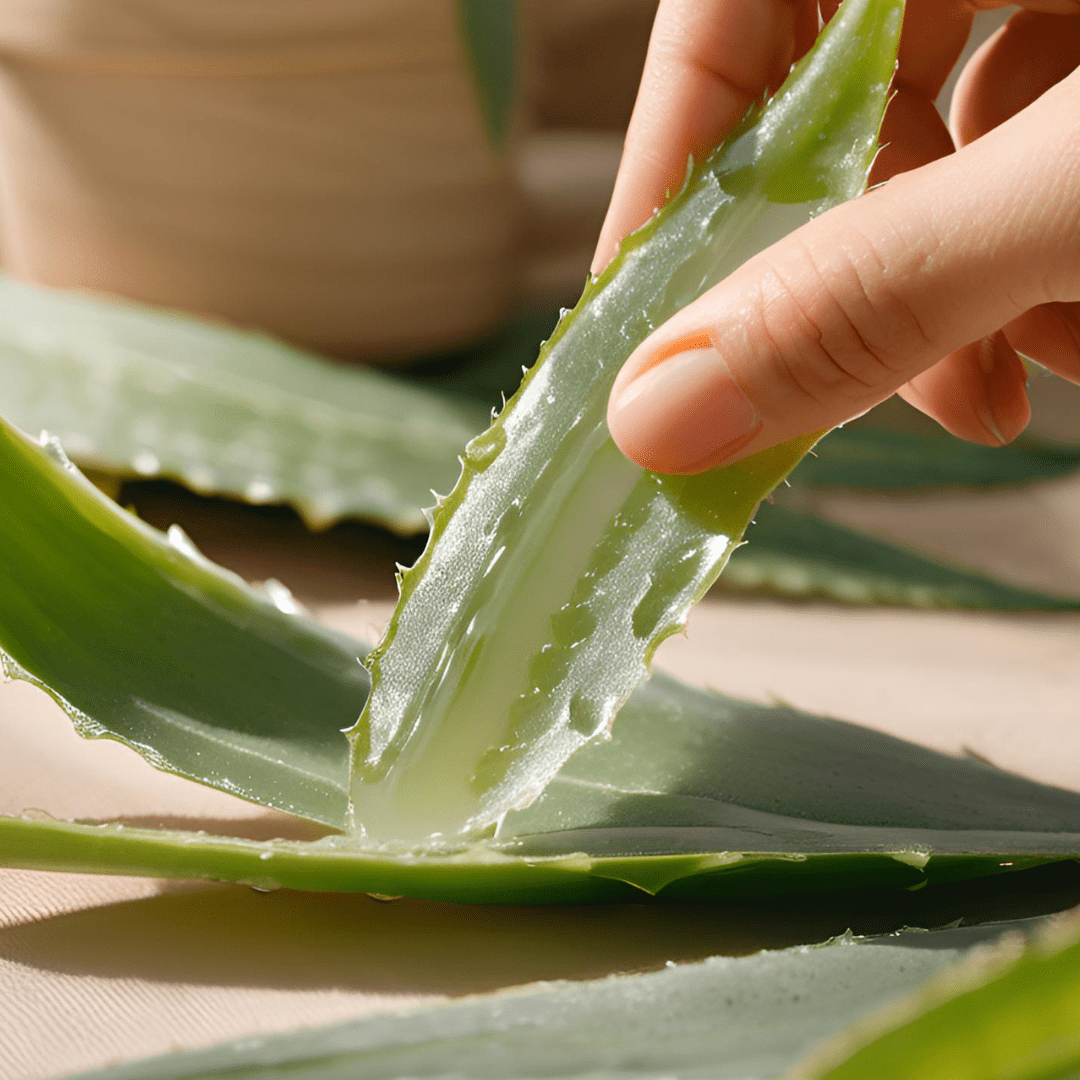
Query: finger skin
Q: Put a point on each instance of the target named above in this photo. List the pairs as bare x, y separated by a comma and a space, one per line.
1027, 56
847, 309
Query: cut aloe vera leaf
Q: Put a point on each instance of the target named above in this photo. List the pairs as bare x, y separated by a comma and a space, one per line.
1007, 1013
737, 1018
556, 566
146, 392
791, 554
877, 459
140, 639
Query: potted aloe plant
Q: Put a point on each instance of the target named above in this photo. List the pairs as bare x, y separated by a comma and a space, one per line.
334, 173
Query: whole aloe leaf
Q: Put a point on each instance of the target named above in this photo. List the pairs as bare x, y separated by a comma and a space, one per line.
141, 639
147, 392
884, 460
1010, 1013
556, 566
792, 554
744, 1018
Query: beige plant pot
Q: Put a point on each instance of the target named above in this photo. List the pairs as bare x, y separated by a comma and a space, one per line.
318, 168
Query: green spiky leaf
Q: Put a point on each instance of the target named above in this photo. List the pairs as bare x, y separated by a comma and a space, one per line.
556, 566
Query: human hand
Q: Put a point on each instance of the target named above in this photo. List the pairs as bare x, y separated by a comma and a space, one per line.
925, 286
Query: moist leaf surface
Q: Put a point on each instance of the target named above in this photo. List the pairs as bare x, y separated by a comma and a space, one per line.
556, 566
743, 1018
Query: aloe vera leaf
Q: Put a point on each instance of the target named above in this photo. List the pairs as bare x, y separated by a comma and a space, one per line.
140, 639
792, 554
696, 796
879, 460
142, 391
742, 1018
489, 35
556, 566
1011, 1013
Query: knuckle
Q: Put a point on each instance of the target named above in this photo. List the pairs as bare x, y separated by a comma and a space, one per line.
832, 324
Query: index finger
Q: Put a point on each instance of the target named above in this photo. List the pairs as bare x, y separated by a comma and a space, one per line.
708, 61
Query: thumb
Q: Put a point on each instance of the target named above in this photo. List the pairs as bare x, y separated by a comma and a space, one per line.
847, 309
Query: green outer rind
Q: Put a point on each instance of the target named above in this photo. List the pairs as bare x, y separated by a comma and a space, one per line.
483, 874
140, 639
148, 392
796, 555
687, 526
726, 1018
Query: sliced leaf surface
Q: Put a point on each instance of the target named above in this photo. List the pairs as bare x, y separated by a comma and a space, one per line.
879, 459
556, 566
793, 554
141, 639
744, 1018
148, 392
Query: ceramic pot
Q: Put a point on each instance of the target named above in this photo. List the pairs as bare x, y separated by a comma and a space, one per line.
318, 169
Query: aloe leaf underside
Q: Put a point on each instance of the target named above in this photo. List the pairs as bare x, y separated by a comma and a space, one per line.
551, 532
745, 1018
695, 794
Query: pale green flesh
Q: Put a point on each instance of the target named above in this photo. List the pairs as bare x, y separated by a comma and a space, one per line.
741, 1018
556, 567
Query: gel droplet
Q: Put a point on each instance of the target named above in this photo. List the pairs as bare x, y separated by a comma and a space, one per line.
485, 448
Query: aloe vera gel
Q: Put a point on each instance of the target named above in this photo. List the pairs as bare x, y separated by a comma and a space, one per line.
555, 567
